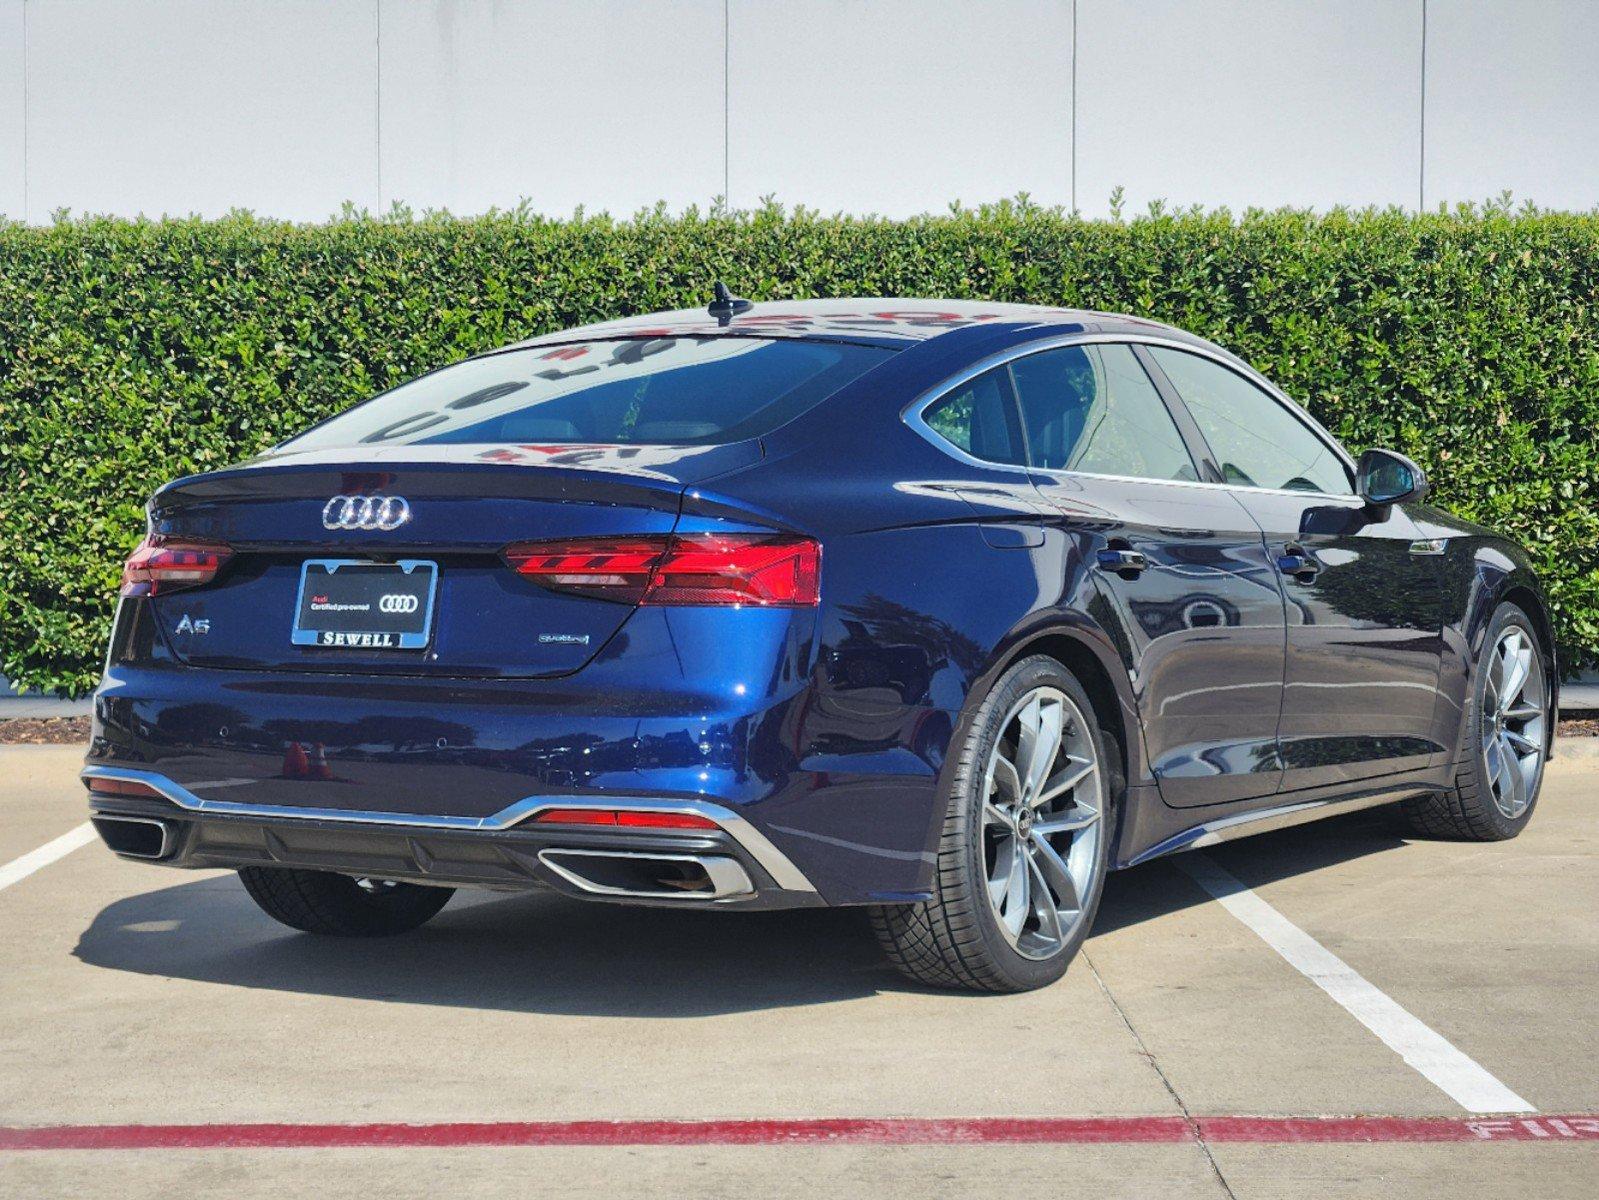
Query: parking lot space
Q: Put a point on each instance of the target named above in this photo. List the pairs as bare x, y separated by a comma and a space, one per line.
1496, 946
132, 996
31, 794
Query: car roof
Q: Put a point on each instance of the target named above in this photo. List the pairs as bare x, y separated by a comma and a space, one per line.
894, 322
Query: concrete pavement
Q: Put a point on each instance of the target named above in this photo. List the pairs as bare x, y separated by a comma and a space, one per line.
132, 995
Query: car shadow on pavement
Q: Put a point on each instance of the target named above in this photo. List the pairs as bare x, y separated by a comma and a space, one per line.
535, 952
544, 953
1159, 887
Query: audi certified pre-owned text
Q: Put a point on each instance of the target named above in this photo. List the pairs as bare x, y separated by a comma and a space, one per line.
941, 609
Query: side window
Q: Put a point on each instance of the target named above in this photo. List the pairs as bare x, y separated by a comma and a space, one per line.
1257, 442
978, 417
1092, 408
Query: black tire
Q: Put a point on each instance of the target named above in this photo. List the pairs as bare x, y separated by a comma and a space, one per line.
339, 906
954, 940
1468, 811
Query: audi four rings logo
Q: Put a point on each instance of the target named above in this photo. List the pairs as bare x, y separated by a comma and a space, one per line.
397, 602
365, 512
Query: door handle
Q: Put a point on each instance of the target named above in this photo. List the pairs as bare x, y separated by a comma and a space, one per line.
1294, 561
1124, 562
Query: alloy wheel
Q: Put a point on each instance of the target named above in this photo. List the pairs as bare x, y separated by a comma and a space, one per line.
1043, 797
1514, 720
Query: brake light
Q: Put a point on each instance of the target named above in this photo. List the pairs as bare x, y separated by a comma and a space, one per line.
627, 818
725, 569
162, 564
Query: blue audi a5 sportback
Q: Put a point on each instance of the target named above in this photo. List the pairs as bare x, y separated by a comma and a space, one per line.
941, 608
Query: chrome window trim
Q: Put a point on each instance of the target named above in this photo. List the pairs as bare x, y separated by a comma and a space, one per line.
773, 861
912, 414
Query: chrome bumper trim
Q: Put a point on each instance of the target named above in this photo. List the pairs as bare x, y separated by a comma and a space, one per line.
773, 861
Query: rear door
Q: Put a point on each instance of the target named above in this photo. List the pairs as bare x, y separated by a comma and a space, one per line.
1362, 595
1180, 565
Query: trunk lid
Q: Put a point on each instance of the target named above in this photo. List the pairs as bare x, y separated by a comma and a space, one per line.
463, 506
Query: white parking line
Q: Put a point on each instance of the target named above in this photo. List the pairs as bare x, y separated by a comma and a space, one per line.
1461, 1078
19, 869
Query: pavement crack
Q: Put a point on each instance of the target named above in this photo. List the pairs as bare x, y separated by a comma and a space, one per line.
1165, 1081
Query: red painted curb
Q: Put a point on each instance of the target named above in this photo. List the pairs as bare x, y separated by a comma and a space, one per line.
1574, 1127
887, 1131
843, 1130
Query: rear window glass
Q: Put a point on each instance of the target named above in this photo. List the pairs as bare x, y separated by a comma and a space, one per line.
672, 390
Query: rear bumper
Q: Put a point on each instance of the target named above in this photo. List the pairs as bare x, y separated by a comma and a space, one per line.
734, 865
844, 786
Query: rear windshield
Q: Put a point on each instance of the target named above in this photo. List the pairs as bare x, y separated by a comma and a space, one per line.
676, 390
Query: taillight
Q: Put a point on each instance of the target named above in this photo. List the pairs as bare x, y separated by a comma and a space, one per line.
163, 564
627, 818
724, 569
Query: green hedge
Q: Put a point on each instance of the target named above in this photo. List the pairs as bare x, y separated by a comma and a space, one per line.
132, 352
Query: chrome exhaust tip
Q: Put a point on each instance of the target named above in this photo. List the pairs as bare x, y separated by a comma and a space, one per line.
134, 837
650, 876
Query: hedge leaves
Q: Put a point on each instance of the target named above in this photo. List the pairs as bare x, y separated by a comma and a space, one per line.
132, 351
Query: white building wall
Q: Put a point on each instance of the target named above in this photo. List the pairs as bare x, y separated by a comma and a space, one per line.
1249, 102
606, 103
1513, 101
12, 138
179, 106
898, 106
293, 107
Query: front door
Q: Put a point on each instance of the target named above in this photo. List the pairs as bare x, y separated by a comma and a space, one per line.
1364, 640
1181, 569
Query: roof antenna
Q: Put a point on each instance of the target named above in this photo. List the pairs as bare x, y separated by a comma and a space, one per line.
725, 306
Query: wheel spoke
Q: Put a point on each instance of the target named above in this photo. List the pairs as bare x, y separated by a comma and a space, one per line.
1077, 770
1002, 773
1499, 668
1041, 725
1044, 909
1523, 712
1017, 896
1518, 665
1070, 821
1493, 753
1492, 701
1517, 794
1054, 870
1521, 743
1004, 868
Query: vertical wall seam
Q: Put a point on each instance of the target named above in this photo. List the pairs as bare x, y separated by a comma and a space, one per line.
25, 196
1074, 106
377, 101
727, 101
1421, 174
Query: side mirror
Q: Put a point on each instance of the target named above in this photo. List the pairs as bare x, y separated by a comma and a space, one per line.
1385, 478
